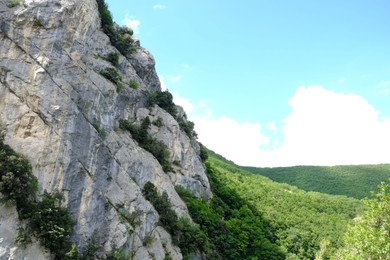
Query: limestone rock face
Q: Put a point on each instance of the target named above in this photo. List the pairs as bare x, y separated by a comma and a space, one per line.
62, 114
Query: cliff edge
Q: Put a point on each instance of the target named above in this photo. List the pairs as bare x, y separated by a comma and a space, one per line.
62, 111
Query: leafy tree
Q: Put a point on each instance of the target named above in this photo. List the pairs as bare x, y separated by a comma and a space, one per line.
120, 37
52, 224
234, 228
369, 238
164, 100
45, 218
203, 153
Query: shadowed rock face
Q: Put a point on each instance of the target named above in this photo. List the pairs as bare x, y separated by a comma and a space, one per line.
63, 116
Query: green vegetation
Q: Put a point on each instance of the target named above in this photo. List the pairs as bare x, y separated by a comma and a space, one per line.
298, 221
146, 141
187, 126
204, 155
52, 224
164, 100
133, 84
369, 237
234, 228
112, 75
120, 37
353, 181
158, 122
184, 234
13, 3
113, 58
45, 219
91, 247
102, 133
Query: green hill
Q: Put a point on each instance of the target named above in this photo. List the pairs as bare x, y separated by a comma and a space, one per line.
295, 220
355, 181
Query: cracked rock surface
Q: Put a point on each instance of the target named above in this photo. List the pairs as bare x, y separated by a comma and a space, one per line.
62, 115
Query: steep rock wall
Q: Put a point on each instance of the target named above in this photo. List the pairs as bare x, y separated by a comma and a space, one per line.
63, 116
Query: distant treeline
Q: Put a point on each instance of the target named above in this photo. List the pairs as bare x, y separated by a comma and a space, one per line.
355, 181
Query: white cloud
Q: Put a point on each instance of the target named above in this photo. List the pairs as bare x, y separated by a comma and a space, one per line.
183, 102
272, 126
236, 141
162, 83
174, 78
328, 128
133, 23
159, 6
323, 128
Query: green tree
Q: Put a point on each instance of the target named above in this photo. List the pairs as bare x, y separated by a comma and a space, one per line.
369, 238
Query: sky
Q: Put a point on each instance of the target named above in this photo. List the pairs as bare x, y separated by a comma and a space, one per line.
274, 83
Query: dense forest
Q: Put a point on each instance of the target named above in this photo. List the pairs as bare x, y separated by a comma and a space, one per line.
301, 223
355, 181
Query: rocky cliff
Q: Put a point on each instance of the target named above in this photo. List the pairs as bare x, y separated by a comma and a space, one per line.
63, 116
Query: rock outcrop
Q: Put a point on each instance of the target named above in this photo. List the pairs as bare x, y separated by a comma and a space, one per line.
62, 114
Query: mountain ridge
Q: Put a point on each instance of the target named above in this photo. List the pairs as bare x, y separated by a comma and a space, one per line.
356, 181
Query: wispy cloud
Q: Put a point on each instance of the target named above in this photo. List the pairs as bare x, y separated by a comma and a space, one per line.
133, 23
159, 7
174, 78
384, 87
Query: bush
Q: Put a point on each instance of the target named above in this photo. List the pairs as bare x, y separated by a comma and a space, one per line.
184, 234
113, 58
101, 131
112, 75
369, 237
158, 122
235, 230
203, 153
17, 183
13, 3
133, 84
52, 224
146, 141
187, 127
120, 37
164, 100
45, 219
119, 87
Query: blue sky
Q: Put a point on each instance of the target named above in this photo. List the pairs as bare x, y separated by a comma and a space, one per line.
253, 75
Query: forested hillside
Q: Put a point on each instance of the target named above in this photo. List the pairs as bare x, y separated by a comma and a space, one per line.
355, 181
298, 221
